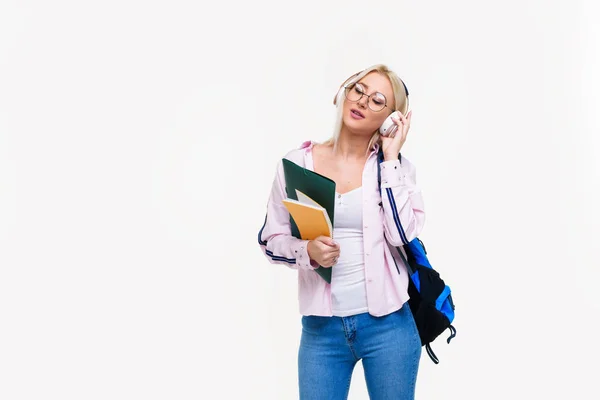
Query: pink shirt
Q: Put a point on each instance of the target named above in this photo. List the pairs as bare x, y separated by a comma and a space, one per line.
391, 219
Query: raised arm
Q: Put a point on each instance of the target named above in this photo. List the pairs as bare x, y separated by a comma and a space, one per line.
402, 202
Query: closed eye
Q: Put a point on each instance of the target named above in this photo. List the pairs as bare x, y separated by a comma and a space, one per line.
379, 99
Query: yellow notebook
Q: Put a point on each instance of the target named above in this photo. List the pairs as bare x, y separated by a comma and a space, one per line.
311, 219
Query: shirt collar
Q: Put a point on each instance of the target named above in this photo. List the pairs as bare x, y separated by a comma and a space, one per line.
307, 145
376, 147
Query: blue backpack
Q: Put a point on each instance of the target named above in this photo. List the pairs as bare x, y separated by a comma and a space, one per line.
430, 298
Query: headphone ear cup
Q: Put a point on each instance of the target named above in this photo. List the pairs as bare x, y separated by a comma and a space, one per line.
339, 95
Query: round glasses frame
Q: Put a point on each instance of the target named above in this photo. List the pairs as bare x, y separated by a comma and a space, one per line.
348, 88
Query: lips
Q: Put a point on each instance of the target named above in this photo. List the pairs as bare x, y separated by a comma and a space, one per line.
356, 114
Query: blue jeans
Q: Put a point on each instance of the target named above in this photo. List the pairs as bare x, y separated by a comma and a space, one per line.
389, 347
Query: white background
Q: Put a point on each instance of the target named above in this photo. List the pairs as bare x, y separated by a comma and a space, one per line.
138, 143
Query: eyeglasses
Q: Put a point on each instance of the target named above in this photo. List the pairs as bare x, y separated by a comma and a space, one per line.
376, 101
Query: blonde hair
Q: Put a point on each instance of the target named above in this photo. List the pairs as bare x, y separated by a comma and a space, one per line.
400, 101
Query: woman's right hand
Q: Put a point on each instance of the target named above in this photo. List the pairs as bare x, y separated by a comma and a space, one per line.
324, 251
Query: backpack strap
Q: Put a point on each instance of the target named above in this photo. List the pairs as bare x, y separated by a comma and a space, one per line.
380, 159
431, 354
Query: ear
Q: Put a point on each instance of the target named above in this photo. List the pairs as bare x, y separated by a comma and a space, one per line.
342, 87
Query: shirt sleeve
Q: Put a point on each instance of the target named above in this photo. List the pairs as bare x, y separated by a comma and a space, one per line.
275, 238
404, 215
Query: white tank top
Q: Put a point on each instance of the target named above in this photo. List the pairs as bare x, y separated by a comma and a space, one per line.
348, 290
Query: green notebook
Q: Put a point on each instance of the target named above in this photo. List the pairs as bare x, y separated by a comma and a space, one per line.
318, 187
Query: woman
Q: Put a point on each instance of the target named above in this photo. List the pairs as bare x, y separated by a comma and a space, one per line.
363, 314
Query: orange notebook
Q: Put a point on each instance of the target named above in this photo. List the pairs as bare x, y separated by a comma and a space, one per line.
311, 219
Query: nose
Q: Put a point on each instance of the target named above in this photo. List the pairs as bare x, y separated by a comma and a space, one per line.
363, 101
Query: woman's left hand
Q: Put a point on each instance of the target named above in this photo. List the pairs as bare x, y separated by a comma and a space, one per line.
391, 146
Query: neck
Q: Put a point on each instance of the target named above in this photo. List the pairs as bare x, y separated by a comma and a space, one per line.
352, 146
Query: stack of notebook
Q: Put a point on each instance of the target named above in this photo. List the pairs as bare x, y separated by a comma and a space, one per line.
311, 203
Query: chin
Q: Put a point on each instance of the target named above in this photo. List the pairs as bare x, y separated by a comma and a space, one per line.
358, 127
